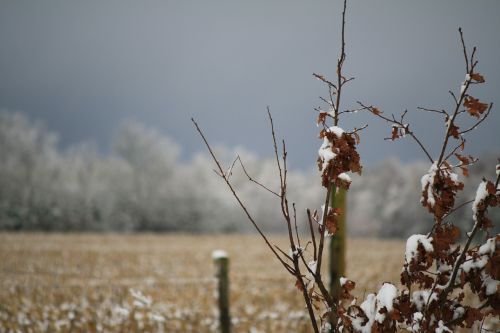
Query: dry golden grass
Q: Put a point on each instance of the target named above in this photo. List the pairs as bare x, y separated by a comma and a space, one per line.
82, 282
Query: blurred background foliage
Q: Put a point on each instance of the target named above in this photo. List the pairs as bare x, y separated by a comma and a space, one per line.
142, 184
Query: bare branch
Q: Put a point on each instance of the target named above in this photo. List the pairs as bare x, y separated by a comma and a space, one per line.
243, 207
340, 64
433, 110
229, 171
254, 181
358, 129
322, 78
454, 150
457, 208
454, 97
313, 237
400, 124
465, 50
284, 254
275, 146
295, 223
326, 101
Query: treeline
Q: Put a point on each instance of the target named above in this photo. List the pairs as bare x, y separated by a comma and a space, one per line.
142, 185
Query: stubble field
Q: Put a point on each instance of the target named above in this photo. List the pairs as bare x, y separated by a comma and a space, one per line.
160, 283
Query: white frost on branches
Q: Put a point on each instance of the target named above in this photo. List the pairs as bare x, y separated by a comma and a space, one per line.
464, 84
330, 209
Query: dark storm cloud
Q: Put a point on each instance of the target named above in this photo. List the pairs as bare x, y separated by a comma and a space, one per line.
84, 66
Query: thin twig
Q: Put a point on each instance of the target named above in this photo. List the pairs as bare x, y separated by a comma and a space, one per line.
313, 237
479, 121
254, 181
402, 125
457, 208
458, 103
322, 78
250, 218
295, 222
275, 146
454, 150
465, 49
358, 129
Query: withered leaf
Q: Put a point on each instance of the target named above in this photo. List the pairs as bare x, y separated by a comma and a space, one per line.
331, 224
464, 159
346, 159
395, 315
394, 133
454, 131
322, 117
356, 136
477, 77
490, 188
298, 285
347, 287
474, 106
375, 111
471, 316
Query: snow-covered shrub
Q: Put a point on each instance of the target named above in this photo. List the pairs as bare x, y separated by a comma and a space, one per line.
436, 267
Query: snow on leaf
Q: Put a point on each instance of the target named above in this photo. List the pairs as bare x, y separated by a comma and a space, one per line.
481, 195
337, 131
412, 246
442, 328
385, 298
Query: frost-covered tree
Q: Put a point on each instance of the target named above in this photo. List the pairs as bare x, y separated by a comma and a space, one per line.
28, 170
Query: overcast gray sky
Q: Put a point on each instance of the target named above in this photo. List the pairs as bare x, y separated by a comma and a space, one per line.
82, 67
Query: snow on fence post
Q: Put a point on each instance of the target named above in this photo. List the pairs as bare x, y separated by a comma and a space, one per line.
337, 245
221, 262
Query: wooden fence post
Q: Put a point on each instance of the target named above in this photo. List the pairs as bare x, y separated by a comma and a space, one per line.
337, 247
221, 262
